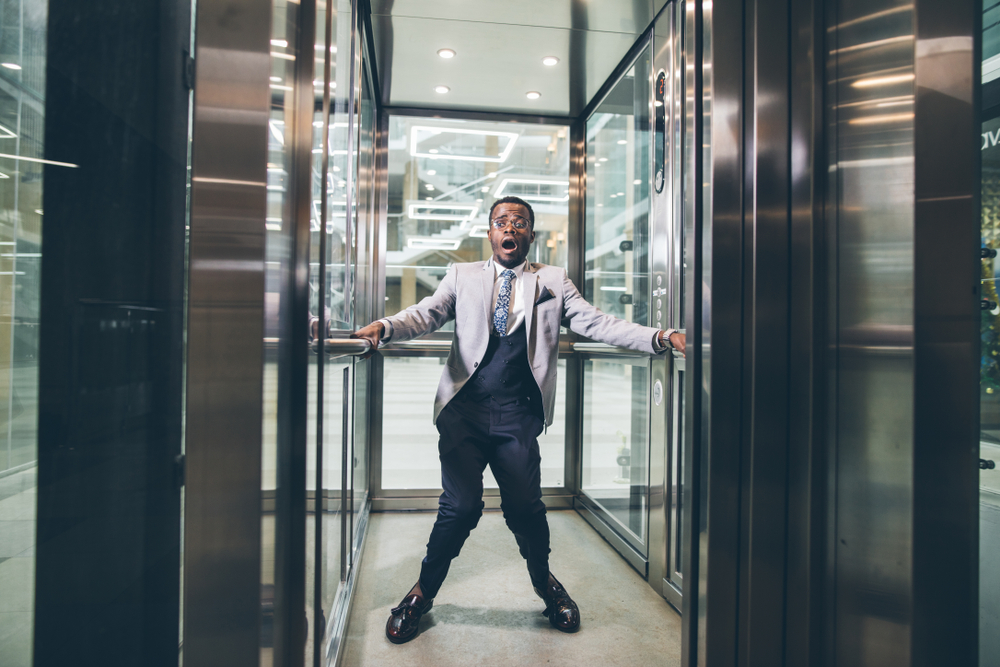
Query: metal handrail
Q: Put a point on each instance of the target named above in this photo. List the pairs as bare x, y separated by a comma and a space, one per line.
336, 348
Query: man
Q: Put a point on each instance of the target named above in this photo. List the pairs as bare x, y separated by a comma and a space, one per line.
495, 395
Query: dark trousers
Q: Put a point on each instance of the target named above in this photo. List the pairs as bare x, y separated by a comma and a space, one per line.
475, 434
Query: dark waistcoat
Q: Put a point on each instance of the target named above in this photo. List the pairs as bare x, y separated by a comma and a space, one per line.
504, 373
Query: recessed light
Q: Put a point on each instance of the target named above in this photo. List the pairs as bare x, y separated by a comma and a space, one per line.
279, 42
433, 151
276, 79
431, 172
13, 66
485, 188
621, 194
534, 95
38, 211
446, 53
480, 200
598, 164
492, 174
428, 198
430, 187
613, 196
622, 142
603, 159
637, 182
441, 89
550, 61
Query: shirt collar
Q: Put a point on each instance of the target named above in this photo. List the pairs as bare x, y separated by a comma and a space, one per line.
499, 268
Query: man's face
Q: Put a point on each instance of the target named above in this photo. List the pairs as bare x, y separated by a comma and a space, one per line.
510, 245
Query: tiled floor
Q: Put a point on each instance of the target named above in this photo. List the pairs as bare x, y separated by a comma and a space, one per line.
17, 563
486, 612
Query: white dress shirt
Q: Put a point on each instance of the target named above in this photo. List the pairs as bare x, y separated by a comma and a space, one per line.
515, 311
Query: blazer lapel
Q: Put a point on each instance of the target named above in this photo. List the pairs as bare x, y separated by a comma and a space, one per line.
530, 281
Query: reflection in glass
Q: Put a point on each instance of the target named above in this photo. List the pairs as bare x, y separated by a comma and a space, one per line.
615, 441
22, 43
443, 177
617, 211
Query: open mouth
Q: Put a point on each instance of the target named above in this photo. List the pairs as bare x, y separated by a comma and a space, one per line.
509, 244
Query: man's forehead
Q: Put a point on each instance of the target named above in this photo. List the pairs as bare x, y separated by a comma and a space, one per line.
506, 207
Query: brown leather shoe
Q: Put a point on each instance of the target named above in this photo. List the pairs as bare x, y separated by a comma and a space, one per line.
562, 612
404, 619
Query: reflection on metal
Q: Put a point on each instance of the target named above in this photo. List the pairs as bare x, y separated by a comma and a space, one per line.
225, 328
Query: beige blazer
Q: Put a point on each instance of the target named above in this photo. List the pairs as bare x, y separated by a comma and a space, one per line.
550, 299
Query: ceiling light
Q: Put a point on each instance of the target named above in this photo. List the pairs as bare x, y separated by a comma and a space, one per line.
480, 200
444, 211
433, 244
492, 174
658, 103
38, 211
441, 89
279, 42
3, 175
621, 194
622, 142
485, 188
598, 164
433, 151
13, 66
276, 79
505, 144
603, 159
429, 187
550, 61
637, 182
534, 95
613, 196
431, 172
533, 189
429, 198
446, 53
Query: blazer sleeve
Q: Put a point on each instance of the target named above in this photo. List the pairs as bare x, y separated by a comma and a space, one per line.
590, 321
429, 315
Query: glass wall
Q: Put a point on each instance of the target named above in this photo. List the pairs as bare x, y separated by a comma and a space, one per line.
989, 385
615, 472
22, 109
444, 174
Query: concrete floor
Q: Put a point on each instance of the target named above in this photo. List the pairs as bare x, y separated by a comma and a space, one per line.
487, 614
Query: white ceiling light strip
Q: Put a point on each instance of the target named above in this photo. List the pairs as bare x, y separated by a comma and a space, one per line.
443, 211
416, 130
529, 196
425, 243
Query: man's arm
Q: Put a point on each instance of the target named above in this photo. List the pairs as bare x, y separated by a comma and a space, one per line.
421, 318
590, 321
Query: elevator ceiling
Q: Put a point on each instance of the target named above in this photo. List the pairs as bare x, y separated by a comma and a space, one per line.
499, 47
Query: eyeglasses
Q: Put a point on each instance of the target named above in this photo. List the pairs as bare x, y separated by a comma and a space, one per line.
516, 220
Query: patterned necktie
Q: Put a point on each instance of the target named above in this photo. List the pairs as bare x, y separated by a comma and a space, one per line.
503, 303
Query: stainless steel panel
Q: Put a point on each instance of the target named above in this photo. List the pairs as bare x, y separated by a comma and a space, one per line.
630, 17
661, 249
225, 329
906, 333
479, 78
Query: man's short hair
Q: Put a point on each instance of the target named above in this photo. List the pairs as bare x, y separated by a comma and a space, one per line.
514, 200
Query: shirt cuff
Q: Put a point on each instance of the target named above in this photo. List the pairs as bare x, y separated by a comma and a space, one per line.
657, 347
387, 331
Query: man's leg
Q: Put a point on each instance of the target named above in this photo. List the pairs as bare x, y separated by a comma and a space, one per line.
462, 447
516, 464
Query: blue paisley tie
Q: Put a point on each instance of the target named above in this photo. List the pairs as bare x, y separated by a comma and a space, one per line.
503, 303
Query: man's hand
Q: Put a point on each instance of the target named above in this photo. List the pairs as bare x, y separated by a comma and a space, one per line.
677, 339
371, 333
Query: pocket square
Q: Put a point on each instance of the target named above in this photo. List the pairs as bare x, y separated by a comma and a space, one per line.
544, 296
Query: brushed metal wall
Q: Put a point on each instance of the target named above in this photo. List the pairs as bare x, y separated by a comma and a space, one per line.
225, 333
833, 396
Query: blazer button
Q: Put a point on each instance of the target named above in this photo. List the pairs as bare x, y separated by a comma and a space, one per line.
475, 364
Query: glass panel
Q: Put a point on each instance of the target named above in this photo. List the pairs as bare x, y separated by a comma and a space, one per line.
363, 237
409, 439
22, 44
989, 383
615, 441
617, 214
443, 177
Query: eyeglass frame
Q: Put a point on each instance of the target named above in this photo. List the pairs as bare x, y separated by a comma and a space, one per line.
502, 222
